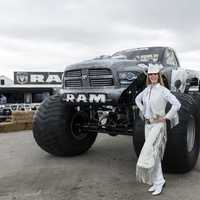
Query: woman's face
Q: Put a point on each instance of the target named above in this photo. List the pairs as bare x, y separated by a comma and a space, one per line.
153, 77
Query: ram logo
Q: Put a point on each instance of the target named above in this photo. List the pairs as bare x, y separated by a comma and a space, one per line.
22, 77
84, 98
84, 77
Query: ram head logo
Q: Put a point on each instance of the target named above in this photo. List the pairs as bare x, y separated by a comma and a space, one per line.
22, 77
84, 77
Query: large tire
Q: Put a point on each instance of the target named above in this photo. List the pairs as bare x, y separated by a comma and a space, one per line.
55, 130
183, 142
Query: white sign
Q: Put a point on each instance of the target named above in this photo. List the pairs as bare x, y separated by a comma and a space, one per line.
37, 78
89, 98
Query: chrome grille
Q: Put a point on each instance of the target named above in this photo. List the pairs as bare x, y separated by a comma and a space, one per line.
73, 73
73, 83
99, 72
96, 77
101, 82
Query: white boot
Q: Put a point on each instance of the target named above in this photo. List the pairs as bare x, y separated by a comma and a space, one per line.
158, 189
152, 188
158, 179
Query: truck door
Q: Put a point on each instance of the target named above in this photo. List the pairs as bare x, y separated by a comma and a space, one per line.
170, 63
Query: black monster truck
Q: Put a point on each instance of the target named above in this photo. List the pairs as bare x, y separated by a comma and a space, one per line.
97, 96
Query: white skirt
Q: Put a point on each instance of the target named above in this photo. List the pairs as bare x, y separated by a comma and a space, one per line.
155, 142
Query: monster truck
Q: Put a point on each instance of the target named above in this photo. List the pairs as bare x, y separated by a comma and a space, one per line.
97, 96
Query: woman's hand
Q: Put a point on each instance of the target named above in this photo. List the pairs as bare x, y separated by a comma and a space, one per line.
161, 119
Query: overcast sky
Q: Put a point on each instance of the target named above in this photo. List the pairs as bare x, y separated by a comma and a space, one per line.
47, 35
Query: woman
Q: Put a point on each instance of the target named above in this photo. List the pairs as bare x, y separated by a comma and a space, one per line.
152, 103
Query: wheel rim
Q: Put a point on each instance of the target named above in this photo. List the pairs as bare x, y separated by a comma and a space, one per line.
78, 119
190, 134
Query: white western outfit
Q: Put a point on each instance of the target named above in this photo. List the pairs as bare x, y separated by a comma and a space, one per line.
152, 103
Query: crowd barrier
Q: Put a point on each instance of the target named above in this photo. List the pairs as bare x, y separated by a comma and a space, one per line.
20, 119
21, 106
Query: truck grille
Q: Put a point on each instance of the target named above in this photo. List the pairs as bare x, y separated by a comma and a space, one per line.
99, 72
73, 73
101, 82
98, 77
73, 83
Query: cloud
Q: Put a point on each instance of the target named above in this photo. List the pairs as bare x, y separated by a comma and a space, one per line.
54, 34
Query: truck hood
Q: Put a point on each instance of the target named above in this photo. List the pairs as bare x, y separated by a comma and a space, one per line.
111, 63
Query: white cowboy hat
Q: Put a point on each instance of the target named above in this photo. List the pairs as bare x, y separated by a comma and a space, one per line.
154, 68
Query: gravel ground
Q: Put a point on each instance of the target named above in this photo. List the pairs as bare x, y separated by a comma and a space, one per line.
106, 172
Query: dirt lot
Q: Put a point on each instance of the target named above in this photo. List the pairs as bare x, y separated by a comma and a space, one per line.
106, 172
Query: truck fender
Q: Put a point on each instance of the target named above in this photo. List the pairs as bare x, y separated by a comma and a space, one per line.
178, 80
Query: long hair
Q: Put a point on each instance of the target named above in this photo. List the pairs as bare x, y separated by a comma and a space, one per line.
160, 80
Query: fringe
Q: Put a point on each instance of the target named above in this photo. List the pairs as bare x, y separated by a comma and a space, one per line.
160, 143
144, 175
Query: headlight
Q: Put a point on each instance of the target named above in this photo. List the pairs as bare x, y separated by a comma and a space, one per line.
126, 77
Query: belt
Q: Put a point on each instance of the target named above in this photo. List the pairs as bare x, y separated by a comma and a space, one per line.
154, 120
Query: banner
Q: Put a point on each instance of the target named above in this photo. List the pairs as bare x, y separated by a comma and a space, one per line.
34, 78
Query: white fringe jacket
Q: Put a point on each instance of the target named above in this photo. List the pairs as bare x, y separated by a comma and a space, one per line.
152, 103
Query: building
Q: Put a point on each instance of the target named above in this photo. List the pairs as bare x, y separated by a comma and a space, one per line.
30, 87
4, 81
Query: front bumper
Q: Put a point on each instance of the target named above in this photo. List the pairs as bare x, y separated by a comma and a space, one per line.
106, 96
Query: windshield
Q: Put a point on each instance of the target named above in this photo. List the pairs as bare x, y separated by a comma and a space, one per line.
141, 55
